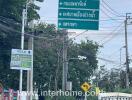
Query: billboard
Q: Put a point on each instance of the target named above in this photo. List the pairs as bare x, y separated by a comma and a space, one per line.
21, 59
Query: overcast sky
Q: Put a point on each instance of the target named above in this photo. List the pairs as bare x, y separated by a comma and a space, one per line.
110, 33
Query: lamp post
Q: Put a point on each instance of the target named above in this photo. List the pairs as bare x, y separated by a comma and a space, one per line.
78, 58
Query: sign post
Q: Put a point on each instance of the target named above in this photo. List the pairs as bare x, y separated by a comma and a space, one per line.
85, 87
78, 14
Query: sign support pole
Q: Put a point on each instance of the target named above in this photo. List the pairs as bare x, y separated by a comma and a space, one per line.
85, 96
85, 86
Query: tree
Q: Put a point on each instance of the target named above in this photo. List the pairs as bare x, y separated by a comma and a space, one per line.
46, 65
49, 50
10, 37
12, 9
81, 70
111, 81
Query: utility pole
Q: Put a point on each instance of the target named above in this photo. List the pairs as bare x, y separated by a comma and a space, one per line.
22, 45
57, 70
30, 47
126, 45
65, 63
30, 72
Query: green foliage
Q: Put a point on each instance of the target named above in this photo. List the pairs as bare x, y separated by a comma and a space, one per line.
66, 98
49, 50
13, 9
92, 98
125, 90
113, 80
81, 70
10, 37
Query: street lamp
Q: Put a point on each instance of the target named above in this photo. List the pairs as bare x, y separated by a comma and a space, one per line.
78, 58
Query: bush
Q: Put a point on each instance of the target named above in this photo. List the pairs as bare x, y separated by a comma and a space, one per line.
126, 90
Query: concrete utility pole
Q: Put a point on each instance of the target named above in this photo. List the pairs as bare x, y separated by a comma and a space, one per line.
22, 45
126, 45
30, 72
30, 47
65, 63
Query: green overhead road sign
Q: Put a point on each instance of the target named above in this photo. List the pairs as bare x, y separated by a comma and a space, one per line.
78, 14
21, 59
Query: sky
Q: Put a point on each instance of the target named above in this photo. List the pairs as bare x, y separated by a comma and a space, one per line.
110, 33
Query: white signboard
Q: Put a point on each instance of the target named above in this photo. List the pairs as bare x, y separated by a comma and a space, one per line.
21, 59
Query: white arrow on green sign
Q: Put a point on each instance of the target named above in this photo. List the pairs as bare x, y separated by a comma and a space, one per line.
78, 14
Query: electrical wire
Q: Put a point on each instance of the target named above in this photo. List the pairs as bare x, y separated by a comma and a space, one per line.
113, 53
79, 34
117, 20
112, 10
56, 38
110, 33
101, 58
116, 29
9, 21
108, 10
8, 29
112, 37
107, 27
39, 37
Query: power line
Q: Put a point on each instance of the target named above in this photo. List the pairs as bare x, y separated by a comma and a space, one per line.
108, 10
107, 27
111, 37
9, 21
116, 29
112, 32
39, 37
79, 34
13, 30
101, 58
111, 9
117, 20
113, 53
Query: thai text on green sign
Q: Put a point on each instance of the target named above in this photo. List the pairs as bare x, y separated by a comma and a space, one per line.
73, 13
